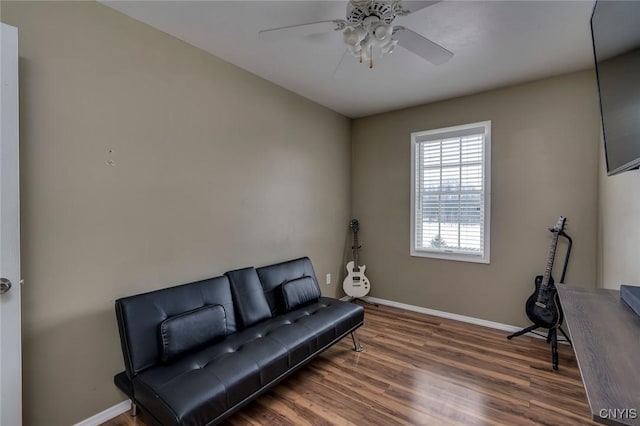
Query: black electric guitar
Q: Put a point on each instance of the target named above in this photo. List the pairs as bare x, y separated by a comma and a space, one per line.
543, 307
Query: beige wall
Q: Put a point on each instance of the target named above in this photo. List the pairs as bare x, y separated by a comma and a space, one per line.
545, 141
214, 169
618, 228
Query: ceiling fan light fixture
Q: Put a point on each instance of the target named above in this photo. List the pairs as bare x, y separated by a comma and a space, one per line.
368, 28
362, 40
352, 36
388, 48
381, 32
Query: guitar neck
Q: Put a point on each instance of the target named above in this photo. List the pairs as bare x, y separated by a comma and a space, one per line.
550, 260
355, 251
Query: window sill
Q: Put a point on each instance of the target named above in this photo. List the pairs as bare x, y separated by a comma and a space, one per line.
458, 257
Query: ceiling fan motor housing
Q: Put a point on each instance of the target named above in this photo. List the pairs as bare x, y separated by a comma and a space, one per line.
386, 11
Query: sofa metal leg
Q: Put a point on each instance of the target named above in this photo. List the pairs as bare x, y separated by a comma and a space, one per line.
356, 342
134, 410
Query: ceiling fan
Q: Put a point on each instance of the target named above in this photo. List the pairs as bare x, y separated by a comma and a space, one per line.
367, 31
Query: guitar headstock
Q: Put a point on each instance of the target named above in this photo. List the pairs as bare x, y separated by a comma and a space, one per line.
354, 225
560, 224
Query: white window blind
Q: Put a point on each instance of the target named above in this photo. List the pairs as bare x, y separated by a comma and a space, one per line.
450, 193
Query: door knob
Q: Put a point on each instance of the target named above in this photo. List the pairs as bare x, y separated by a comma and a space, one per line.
5, 285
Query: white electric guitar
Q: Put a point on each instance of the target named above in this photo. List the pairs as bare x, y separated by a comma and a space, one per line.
355, 284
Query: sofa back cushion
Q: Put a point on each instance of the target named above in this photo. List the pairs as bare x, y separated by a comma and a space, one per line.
248, 294
300, 292
140, 317
273, 277
192, 330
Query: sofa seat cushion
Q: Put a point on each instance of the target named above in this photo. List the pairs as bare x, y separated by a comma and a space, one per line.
201, 386
313, 327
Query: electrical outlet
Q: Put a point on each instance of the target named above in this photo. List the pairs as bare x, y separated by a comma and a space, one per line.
328, 279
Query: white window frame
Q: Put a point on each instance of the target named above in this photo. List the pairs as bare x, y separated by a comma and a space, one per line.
418, 137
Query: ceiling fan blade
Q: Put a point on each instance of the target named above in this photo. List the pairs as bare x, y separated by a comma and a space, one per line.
414, 6
422, 46
298, 30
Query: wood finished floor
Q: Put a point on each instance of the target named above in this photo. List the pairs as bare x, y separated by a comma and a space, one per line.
422, 370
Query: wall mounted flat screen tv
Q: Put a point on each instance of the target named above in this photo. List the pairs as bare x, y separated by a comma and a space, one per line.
615, 29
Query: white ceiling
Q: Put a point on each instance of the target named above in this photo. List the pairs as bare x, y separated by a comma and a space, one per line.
496, 43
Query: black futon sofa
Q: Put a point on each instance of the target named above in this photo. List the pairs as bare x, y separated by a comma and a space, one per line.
196, 353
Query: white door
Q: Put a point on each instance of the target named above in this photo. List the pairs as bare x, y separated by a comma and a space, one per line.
10, 350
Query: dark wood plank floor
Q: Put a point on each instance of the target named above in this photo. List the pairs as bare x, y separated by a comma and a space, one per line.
422, 370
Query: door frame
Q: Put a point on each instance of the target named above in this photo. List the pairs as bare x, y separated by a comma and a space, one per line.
10, 321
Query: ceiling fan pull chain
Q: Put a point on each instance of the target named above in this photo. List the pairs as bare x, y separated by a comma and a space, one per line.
371, 57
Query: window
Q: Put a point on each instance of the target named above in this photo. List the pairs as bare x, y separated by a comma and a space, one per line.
451, 192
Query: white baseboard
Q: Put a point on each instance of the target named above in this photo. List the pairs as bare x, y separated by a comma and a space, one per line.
107, 414
443, 314
449, 315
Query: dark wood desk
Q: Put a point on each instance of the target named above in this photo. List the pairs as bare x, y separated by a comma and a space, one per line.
606, 339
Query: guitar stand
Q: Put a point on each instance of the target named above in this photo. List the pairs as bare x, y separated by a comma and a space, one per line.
354, 299
552, 335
